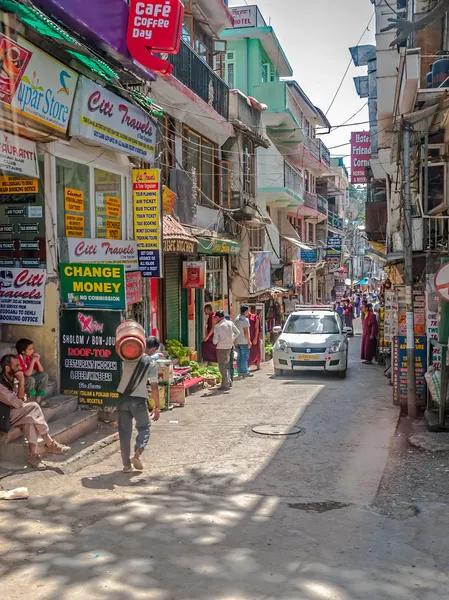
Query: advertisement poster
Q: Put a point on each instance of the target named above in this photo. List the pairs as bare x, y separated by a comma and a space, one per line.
108, 205
96, 250
14, 185
360, 156
309, 257
134, 292
90, 367
147, 220
46, 90
93, 286
260, 271
105, 118
15, 59
74, 225
22, 296
433, 320
18, 156
194, 274
400, 369
334, 248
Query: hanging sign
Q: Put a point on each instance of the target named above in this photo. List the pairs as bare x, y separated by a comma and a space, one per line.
93, 286
360, 155
334, 248
147, 220
90, 366
134, 291
101, 251
15, 59
17, 155
154, 26
193, 274
22, 296
105, 118
309, 257
442, 282
46, 91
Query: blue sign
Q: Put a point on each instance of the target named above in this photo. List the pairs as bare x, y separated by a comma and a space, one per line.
334, 247
150, 263
309, 256
400, 385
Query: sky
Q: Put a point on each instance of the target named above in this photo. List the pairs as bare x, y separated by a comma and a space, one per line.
316, 36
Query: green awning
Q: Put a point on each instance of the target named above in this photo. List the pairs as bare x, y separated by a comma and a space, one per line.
217, 246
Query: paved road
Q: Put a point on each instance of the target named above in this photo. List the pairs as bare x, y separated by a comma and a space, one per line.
225, 514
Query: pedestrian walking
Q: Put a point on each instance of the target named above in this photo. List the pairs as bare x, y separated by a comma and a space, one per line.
231, 356
357, 303
133, 404
369, 337
208, 350
225, 333
243, 342
255, 333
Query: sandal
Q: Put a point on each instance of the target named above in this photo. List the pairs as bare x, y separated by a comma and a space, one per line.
35, 461
57, 448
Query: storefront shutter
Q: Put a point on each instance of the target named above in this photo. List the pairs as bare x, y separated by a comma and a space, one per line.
172, 297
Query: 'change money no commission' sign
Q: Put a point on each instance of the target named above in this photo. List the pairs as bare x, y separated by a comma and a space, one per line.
93, 286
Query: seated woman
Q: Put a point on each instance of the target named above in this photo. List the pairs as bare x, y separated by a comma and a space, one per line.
35, 377
27, 416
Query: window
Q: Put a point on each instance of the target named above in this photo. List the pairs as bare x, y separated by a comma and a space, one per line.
268, 72
207, 169
309, 324
199, 158
108, 205
310, 233
213, 292
256, 239
225, 173
249, 168
437, 187
167, 148
73, 201
229, 69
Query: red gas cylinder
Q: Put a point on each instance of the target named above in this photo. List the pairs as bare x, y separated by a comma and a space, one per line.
130, 340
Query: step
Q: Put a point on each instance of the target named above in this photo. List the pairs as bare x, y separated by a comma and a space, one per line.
64, 430
50, 388
61, 406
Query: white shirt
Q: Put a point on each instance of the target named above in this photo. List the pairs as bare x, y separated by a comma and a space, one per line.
242, 323
225, 333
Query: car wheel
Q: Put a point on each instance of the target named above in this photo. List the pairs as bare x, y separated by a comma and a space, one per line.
342, 374
278, 372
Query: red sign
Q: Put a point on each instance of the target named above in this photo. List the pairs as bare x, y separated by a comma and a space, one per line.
442, 282
13, 62
360, 155
133, 287
154, 26
194, 275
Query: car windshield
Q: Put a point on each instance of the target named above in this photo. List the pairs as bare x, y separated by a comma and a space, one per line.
312, 324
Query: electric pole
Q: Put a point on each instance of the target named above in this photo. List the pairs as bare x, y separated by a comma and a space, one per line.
407, 229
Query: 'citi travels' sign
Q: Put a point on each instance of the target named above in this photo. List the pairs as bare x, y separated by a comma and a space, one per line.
360, 155
22, 296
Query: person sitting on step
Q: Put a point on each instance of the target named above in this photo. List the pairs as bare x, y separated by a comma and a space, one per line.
35, 377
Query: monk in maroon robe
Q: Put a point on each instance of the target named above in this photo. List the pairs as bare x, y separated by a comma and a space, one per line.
369, 337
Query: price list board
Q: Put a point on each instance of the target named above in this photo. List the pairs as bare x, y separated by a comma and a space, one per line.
400, 369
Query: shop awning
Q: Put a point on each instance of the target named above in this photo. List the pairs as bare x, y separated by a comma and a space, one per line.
218, 246
297, 243
176, 239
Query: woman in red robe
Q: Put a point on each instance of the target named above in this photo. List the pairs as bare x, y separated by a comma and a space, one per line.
369, 337
254, 334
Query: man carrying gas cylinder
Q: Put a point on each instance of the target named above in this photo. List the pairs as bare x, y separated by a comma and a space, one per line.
133, 401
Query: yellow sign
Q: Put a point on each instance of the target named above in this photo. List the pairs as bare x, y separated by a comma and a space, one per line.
147, 220
112, 206
74, 200
113, 230
74, 226
14, 185
168, 200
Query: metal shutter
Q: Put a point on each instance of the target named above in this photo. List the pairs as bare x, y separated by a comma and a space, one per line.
172, 297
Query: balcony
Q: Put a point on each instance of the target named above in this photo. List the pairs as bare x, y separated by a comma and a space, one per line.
334, 221
322, 205
194, 73
290, 191
376, 221
311, 200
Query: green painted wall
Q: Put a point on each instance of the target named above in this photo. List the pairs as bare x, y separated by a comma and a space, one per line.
249, 57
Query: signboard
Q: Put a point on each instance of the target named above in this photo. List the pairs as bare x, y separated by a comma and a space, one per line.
14, 185
147, 220
309, 256
179, 246
93, 286
298, 272
244, 16
400, 369
74, 200
194, 274
74, 225
90, 367
154, 26
15, 59
46, 91
441, 282
102, 251
213, 246
360, 155
433, 321
105, 118
22, 296
134, 292
260, 272
334, 248
17, 155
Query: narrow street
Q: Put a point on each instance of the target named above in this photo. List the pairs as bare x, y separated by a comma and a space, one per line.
224, 513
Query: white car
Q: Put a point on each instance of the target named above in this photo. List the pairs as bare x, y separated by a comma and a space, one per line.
312, 338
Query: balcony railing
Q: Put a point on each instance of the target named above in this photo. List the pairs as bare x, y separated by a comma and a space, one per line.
325, 153
333, 220
322, 205
311, 200
293, 180
319, 150
193, 72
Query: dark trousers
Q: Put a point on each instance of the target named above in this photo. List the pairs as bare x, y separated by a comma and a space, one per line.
130, 408
231, 364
